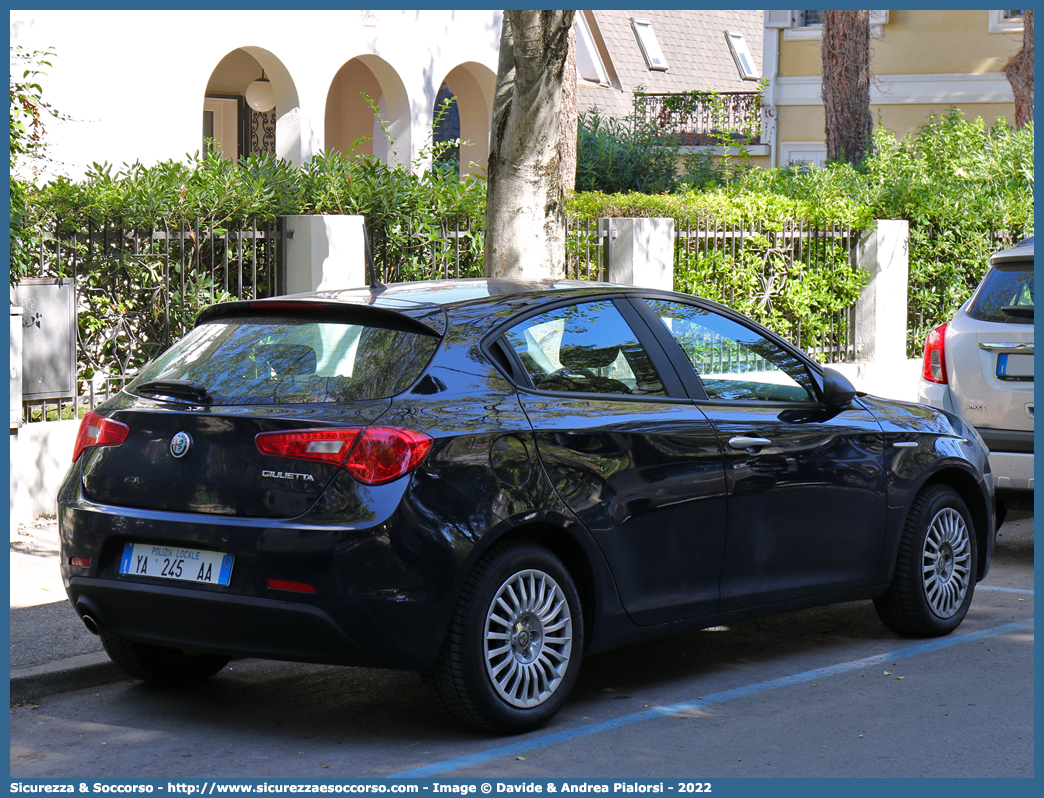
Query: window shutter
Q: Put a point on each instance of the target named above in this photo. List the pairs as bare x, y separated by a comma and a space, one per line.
779, 18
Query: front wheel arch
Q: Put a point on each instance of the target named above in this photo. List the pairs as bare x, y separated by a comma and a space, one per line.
936, 562
967, 487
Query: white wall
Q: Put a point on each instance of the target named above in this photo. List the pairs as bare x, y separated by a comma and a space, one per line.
133, 82
41, 454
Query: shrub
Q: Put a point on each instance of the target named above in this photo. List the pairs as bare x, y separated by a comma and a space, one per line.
967, 191
138, 295
618, 156
28, 149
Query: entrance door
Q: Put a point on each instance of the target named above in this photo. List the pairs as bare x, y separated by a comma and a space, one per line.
806, 484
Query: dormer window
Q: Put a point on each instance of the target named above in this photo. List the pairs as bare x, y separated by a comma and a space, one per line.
741, 55
589, 64
650, 47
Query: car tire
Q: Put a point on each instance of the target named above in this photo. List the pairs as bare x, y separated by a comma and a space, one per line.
935, 569
160, 665
512, 652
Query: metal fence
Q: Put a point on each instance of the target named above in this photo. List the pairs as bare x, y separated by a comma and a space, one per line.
704, 118
416, 250
139, 290
587, 250
772, 276
763, 273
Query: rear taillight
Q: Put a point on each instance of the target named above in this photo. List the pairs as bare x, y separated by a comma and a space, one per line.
96, 431
386, 453
323, 445
372, 455
934, 368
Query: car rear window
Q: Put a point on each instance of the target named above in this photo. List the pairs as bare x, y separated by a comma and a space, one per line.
265, 360
1006, 295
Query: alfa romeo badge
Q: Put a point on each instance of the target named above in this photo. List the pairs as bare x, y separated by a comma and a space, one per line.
180, 445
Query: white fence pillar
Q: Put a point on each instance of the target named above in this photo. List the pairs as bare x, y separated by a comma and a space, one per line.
641, 252
41, 455
881, 366
881, 311
325, 253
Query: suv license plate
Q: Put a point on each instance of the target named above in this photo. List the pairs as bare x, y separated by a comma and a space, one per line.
1015, 367
171, 562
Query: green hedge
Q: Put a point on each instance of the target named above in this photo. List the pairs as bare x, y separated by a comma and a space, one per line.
966, 188
406, 212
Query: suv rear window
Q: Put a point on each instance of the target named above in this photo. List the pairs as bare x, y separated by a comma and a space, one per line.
266, 360
1006, 295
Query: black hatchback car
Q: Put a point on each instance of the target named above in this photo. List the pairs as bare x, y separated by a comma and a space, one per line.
485, 480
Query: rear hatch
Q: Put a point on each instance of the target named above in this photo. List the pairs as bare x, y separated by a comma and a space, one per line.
990, 346
193, 414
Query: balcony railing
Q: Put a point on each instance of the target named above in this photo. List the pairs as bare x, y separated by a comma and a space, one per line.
702, 118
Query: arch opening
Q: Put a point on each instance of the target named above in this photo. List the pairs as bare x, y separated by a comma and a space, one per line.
471, 86
367, 111
232, 127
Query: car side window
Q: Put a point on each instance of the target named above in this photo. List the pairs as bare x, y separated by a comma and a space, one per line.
585, 348
732, 360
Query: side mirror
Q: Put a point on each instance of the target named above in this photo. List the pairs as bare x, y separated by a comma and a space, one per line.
837, 390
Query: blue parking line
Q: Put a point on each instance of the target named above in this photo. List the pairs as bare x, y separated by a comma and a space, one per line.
1023, 591
555, 738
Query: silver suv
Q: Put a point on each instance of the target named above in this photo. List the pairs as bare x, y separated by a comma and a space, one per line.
980, 366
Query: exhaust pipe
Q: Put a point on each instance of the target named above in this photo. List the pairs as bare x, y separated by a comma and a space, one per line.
92, 625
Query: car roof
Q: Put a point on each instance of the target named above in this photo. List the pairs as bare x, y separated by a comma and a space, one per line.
477, 301
1021, 251
448, 293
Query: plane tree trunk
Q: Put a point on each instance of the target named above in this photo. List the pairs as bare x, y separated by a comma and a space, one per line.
525, 199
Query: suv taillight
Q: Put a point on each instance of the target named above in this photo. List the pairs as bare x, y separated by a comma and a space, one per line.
372, 455
96, 431
934, 368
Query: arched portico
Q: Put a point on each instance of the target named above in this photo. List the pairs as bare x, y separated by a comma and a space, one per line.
351, 124
473, 85
236, 128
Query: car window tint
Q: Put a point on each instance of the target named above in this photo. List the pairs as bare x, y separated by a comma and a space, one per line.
732, 360
250, 361
586, 348
1006, 295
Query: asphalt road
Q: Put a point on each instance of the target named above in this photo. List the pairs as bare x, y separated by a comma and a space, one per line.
819, 693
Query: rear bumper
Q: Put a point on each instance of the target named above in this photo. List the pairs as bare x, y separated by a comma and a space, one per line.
1012, 471
236, 626
382, 593
935, 395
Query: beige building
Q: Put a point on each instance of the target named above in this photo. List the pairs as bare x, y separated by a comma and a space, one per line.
922, 63
291, 83
140, 85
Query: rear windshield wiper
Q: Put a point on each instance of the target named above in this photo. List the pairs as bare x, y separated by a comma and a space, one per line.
176, 389
1022, 311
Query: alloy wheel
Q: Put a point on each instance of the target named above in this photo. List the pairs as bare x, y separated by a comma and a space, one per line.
528, 638
946, 562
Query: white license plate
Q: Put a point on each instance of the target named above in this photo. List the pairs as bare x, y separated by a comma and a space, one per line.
1015, 367
173, 562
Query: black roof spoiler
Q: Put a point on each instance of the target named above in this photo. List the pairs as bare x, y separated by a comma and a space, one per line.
322, 310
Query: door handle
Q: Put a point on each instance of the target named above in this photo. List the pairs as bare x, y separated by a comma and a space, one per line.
743, 442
